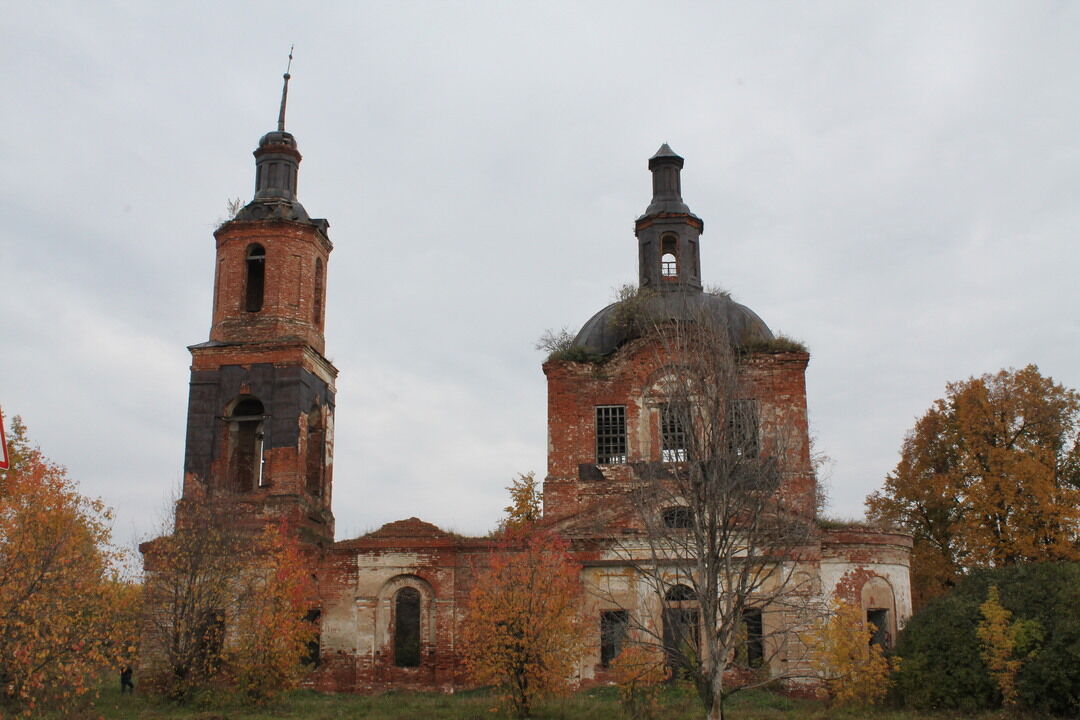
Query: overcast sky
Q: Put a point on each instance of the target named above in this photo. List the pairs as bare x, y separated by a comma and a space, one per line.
895, 184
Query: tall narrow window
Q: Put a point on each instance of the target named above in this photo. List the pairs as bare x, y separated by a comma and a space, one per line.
316, 313
246, 445
613, 625
256, 277
672, 434
669, 263
610, 434
407, 628
680, 629
311, 657
743, 428
755, 645
316, 451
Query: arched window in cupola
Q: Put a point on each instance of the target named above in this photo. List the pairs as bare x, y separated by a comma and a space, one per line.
255, 282
669, 258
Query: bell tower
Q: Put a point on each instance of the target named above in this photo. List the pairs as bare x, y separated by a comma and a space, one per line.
261, 404
668, 233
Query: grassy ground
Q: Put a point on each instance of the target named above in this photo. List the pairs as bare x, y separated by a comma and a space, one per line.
596, 704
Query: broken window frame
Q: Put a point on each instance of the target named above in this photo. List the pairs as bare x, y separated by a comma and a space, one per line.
611, 434
744, 428
673, 436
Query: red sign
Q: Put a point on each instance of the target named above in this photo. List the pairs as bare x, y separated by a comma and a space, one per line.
3, 445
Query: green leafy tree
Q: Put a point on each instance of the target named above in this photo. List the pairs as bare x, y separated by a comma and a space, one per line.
944, 661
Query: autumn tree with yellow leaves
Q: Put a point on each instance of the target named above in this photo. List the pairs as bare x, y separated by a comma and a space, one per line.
854, 671
272, 632
521, 631
989, 477
63, 603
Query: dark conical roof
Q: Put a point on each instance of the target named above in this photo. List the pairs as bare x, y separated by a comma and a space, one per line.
665, 154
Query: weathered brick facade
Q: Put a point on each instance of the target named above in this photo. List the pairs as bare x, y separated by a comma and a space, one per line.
260, 444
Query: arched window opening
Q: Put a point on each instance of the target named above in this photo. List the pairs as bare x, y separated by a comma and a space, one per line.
669, 263
246, 435
316, 314
407, 628
256, 278
316, 452
681, 637
678, 518
678, 594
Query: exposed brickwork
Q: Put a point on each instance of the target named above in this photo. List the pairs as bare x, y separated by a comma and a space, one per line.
292, 249
576, 482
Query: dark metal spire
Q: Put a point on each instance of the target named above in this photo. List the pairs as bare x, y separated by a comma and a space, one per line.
284, 93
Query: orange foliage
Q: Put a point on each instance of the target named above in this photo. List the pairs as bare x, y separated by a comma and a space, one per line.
521, 631
989, 476
640, 671
271, 632
62, 604
525, 503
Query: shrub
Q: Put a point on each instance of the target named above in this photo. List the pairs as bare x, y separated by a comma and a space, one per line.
640, 673
943, 667
855, 672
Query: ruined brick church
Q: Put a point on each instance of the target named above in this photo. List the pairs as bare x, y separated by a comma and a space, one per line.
260, 428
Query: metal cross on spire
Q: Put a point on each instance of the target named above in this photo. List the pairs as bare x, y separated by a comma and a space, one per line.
284, 93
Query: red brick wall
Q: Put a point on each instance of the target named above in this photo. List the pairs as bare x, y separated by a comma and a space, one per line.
575, 389
289, 284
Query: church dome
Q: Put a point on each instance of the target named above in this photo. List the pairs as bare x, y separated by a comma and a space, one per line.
611, 327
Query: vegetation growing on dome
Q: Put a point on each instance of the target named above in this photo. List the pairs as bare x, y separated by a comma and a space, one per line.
774, 346
559, 345
629, 314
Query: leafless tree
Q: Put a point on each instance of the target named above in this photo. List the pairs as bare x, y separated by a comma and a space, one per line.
190, 577
720, 528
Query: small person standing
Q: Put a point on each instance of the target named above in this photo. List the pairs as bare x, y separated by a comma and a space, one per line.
125, 681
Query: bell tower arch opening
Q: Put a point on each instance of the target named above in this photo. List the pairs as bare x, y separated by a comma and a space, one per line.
246, 436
